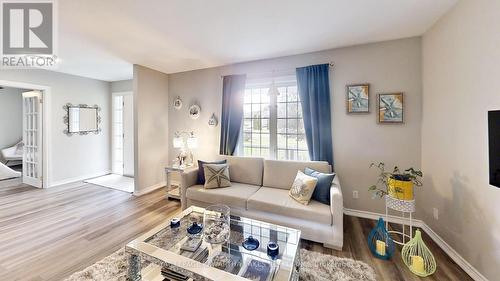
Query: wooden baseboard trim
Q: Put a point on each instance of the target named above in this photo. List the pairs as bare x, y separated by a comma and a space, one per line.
456, 257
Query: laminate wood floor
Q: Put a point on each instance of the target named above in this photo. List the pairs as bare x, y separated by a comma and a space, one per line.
47, 234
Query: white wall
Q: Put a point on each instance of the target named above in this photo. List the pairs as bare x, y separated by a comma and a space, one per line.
11, 117
151, 128
122, 86
393, 66
461, 59
75, 157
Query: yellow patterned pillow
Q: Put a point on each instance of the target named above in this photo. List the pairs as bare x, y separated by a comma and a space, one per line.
303, 188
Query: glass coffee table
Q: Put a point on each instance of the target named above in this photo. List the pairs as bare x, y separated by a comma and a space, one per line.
169, 253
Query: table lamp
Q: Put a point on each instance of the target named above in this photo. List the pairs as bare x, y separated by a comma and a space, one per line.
185, 141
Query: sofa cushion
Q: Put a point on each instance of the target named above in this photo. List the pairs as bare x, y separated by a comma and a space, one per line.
235, 195
245, 169
281, 174
277, 201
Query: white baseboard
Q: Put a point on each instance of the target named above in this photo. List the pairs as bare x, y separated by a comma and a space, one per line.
456, 257
79, 178
150, 189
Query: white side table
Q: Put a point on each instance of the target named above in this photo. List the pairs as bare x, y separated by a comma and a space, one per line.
174, 192
406, 209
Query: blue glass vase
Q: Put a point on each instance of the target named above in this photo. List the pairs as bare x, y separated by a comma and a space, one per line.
194, 230
250, 243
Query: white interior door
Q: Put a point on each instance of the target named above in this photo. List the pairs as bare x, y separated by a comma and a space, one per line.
32, 138
123, 134
128, 135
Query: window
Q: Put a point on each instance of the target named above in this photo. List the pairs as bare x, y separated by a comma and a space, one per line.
272, 121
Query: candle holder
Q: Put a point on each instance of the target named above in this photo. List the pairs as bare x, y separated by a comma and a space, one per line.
175, 223
417, 257
273, 250
380, 242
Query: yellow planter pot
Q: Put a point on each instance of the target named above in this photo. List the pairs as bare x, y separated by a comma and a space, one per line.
402, 190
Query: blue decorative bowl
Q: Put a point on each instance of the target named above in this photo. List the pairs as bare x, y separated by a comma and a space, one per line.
273, 250
250, 243
194, 229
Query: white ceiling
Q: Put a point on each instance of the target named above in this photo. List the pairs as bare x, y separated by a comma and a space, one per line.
102, 38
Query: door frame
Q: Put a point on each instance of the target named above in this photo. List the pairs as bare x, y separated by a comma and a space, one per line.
46, 144
113, 95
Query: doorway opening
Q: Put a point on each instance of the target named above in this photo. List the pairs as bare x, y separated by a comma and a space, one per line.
122, 145
23, 141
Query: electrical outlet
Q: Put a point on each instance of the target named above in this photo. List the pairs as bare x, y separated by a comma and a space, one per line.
435, 212
355, 194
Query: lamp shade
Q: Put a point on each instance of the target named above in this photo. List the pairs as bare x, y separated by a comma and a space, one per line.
192, 142
178, 142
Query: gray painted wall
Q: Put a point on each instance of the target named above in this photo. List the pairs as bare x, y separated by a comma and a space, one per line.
11, 117
122, 86
461, 82
393, 66
76, 157
151, 128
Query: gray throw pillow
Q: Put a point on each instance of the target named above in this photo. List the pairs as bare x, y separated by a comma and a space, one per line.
216, 175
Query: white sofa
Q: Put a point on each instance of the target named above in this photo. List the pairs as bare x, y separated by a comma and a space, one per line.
13, 155
259, 190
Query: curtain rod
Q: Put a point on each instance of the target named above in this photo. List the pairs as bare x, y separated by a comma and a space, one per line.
331, 64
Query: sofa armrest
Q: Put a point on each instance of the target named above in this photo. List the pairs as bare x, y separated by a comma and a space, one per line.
188, 179
336, 204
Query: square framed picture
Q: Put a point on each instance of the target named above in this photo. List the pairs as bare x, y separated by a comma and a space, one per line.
391, 108
358, 98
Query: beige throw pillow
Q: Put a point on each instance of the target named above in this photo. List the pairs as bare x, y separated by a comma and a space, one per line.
216, 175
303, 188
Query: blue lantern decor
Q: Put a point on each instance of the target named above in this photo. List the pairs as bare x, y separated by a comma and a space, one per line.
380, 241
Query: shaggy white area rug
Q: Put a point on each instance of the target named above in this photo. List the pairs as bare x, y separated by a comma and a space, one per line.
315, 266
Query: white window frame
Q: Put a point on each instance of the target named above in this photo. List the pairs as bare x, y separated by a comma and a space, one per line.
269, 82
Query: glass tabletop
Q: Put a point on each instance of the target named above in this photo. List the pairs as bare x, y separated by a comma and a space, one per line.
231, 256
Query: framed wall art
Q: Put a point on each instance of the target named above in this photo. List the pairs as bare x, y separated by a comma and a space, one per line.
358, 98
390, 108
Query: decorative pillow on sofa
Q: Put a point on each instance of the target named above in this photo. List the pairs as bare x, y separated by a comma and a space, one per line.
322, 191
303, 188
216, 175
201, 171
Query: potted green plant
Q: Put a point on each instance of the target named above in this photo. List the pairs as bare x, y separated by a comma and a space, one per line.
398, 184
